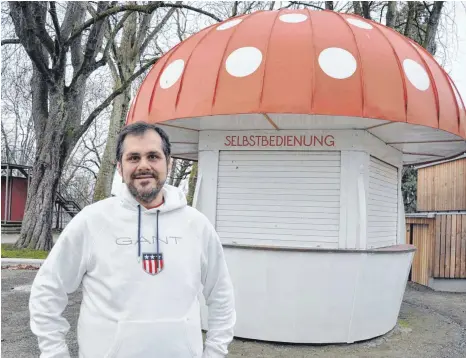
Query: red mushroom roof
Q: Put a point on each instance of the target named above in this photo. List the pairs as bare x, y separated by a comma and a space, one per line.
303, 62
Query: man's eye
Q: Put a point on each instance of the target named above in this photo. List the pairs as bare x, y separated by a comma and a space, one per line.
152, 156
133, 158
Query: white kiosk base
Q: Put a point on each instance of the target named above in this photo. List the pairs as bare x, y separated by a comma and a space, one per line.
301, 295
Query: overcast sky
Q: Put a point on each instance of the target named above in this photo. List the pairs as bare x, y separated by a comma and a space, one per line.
457, 67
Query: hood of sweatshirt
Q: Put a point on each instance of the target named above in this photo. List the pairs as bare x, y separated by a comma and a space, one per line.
173, 199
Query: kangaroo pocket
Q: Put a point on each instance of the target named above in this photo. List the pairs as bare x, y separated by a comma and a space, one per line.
171, 339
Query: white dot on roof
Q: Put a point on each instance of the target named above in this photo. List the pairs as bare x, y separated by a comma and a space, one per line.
293, 18
228, 24
171, 74
243, 61
416, 74
360, 24
337, 63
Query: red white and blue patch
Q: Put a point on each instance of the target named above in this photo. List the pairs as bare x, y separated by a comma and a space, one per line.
152, 263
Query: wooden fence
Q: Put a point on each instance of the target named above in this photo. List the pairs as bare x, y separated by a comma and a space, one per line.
441, 246
450, 246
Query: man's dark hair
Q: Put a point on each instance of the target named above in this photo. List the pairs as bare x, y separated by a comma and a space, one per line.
139, 128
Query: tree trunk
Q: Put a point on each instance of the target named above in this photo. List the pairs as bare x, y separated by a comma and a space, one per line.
181, 172
103, 186
357, 8
54, 145
36, 230
192, 184
409, 19
391, 14
366, 10
432, 26
171, 177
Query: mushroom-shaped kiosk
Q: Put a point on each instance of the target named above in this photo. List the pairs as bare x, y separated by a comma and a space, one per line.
301, 122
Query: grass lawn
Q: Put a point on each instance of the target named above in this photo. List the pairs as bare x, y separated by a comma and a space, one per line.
8, 251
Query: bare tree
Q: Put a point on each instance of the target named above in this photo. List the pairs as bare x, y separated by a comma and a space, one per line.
58, 93
409, 18
357, 8
180, 171
432, 26
391, 14
123, 62
366, 9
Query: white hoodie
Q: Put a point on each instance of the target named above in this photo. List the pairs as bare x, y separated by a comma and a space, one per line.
129, 308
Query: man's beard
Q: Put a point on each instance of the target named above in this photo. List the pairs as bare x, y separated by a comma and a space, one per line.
146, 196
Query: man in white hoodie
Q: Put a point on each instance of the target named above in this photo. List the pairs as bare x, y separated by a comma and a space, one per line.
143, 259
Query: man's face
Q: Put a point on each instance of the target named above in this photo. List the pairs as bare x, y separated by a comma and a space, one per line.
143, 165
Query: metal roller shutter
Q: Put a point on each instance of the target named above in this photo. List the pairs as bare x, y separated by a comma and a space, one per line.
279, 198
383, 204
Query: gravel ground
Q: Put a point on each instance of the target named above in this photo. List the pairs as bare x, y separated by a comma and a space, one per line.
431, 325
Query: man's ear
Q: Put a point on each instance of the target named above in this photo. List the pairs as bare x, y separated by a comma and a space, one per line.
119, 170
170, 163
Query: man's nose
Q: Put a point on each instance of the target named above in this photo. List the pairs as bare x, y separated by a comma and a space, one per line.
143, 164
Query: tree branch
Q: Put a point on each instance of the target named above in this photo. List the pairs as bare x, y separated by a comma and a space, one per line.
73, 14
179, 32
357, 8
53, 13
10, 41
82, 129
94, 40
366, 9
139, 8
144, 25
113, 10
249, 7
97, 164
391, 14
24, 29
192, 8
84, 167
432, 25
306, 4
427, 8
156, 29
409, 18
117, 28
234, 11
39, 14
7, 147
93, 150
118, 63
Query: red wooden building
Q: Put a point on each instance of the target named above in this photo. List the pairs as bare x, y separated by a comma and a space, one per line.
15, 183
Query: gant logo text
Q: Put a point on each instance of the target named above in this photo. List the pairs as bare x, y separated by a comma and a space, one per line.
168, 240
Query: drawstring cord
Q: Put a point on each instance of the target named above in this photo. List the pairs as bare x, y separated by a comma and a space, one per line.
139, 233
139, 237
158, 258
